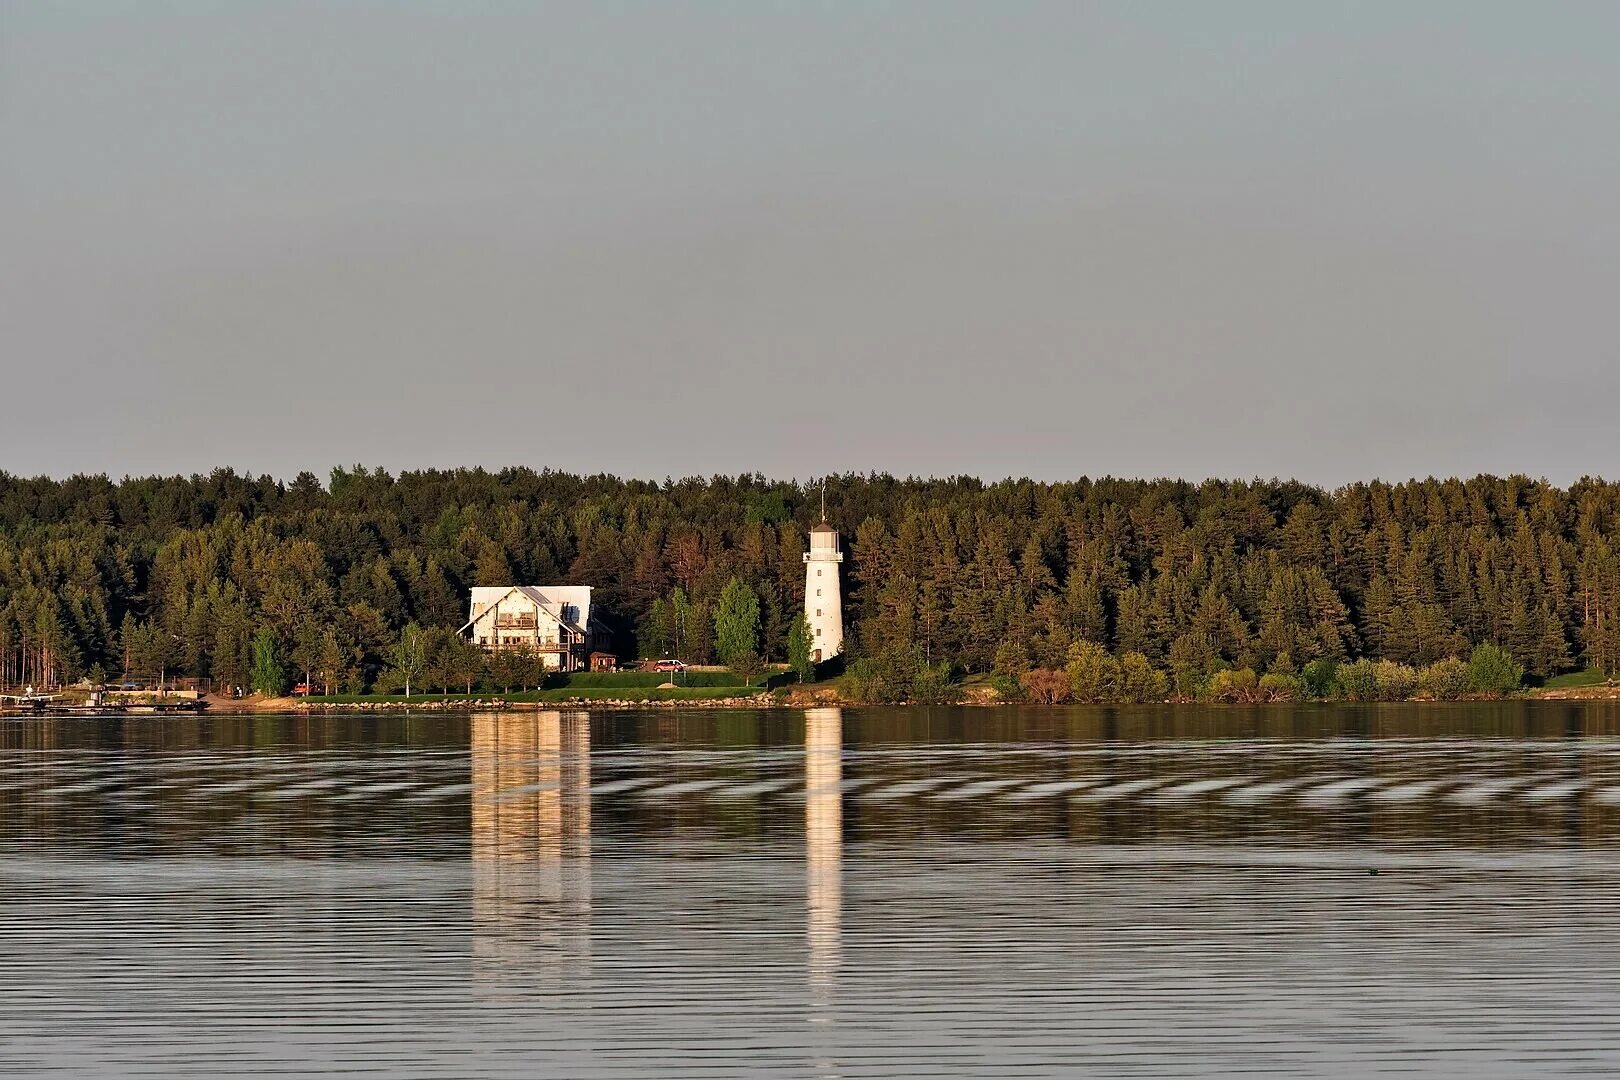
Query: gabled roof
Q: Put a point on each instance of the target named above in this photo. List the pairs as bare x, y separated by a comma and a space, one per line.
552, 599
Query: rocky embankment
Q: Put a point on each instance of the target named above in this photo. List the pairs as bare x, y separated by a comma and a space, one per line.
484, 704
1577, 693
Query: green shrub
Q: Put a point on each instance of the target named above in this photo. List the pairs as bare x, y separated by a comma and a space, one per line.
869, 683
1394, 682
1095, 677
1444, 680
1139, 681
1092, 673
1233, 685
1007, 687
933, 684
897, 675
1321, 678
1492, 670
578, 679
1357, 681
1281, 686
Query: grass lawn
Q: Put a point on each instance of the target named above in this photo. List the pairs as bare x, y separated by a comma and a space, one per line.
839, 683
1574, 679
648, 680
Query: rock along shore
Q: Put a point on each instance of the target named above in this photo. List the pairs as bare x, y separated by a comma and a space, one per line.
226, 707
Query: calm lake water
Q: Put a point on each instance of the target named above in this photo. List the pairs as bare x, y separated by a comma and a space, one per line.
1318, 890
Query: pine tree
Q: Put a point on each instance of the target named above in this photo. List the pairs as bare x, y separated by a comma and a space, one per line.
656, 632
1551, 654
1131, 629
1192, 658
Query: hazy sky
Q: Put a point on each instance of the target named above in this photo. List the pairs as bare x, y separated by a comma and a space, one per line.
1330, 241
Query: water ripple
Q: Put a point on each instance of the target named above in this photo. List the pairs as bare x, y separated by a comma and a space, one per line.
845, 895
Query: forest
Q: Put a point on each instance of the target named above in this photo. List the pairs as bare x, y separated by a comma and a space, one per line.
181, 575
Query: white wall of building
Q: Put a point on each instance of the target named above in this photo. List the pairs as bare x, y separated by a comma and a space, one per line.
823, 593
491, 606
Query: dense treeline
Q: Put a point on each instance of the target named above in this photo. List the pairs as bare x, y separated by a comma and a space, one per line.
181, 574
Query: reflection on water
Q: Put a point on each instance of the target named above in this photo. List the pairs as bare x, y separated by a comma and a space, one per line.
849, 892
823, 838
531, 843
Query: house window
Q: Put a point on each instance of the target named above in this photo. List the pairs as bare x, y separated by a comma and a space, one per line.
818, 613
483, 641
818, 572
818, 592
818, 631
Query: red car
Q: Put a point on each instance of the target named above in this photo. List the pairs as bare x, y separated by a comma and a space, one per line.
302, 690
668, 665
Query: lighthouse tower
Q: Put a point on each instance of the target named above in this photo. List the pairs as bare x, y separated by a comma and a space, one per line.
823, 599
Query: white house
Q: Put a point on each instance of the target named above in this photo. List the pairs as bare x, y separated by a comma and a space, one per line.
552, 620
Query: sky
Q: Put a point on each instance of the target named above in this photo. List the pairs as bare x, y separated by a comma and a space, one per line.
1328, 241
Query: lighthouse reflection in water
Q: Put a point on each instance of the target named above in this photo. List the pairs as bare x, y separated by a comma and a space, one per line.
824, 839
531, 847
920, 891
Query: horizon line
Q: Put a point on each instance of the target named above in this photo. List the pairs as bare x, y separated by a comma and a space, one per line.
669, 480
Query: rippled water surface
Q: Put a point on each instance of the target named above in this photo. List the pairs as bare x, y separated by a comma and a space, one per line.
1428, 890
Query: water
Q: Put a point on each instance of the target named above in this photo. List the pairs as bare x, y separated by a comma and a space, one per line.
1430, 890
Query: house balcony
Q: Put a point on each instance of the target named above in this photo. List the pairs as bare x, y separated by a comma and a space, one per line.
546, 647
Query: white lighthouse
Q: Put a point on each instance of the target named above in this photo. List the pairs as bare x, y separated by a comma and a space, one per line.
823, 599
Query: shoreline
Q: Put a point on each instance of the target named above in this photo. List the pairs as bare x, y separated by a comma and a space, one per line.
825, 699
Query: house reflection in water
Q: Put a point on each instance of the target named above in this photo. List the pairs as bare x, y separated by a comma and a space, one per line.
531, 844
824, 840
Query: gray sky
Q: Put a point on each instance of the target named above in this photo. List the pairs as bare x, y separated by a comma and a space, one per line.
1329, 241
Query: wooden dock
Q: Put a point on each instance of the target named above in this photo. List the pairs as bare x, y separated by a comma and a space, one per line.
59, 705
